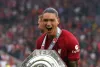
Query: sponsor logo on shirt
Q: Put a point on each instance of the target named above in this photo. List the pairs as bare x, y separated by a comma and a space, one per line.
76, 49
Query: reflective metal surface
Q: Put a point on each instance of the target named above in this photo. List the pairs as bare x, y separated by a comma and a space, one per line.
43, 58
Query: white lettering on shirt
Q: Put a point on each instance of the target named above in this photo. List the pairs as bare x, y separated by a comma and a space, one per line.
76, 49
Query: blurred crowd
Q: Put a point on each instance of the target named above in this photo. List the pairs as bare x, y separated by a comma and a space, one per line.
18, 27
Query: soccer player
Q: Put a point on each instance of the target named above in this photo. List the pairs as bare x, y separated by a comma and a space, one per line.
60, 40
40, 24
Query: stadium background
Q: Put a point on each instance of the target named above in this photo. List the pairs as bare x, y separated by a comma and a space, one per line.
18, 28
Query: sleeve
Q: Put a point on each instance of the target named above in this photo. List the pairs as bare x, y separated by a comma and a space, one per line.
73, 49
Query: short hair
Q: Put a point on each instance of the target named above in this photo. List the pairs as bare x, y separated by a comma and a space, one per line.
51, 10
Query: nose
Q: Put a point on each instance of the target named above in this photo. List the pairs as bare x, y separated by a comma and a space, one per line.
48, 24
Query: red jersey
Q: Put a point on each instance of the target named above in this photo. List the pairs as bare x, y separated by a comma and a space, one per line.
66, 46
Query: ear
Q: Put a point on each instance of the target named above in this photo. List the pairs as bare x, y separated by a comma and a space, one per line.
58, 20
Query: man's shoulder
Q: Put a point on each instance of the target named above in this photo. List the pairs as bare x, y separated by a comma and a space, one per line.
66, 33
66, 36
69, 36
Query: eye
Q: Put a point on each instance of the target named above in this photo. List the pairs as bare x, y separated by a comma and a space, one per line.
45, 20
52, 20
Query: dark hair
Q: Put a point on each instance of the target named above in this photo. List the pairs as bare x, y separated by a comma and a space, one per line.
51, 10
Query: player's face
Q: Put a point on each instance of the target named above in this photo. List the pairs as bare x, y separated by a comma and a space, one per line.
40, 25
50, 21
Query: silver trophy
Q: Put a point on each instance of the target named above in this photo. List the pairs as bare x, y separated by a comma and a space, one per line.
43, 58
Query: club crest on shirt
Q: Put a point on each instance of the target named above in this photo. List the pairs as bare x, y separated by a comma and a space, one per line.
76, 49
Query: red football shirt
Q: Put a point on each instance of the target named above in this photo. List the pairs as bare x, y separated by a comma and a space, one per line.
66, 46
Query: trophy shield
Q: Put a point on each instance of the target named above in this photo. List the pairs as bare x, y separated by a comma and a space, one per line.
43, 58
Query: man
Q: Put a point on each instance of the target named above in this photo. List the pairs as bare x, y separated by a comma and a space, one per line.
40, 24
60, 40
